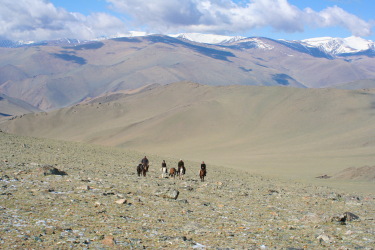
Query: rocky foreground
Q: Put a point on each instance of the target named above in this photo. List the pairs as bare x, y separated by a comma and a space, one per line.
61, 195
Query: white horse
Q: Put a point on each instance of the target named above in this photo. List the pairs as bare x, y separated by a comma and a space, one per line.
164, 172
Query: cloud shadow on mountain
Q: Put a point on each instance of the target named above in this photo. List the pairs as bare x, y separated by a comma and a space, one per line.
282, 79
210, 52
87, 46
127, 39
70, 58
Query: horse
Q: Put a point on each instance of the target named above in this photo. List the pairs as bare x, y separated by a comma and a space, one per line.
181, 172
164, 172
172, 172
202, 174
142, 170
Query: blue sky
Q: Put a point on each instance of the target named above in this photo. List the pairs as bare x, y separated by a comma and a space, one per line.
279, 19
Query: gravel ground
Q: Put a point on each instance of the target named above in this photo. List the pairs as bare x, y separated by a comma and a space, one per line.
96, 201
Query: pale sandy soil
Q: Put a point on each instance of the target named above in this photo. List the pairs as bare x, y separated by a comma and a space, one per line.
230, 210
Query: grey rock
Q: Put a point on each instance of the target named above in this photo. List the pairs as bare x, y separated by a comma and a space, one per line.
168, 193
343, 218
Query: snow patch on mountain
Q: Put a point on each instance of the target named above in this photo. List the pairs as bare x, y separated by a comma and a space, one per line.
253, 42
207, 38
340, 45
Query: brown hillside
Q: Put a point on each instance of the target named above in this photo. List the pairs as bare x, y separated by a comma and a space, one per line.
289, 132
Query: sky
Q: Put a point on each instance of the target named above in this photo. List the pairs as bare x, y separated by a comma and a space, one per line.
36, 20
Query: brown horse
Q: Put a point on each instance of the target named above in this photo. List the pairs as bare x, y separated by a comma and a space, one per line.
202, 174
142, 170
172, 172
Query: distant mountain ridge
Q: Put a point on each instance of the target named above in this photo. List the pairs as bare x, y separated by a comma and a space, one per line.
62, 73
11, 106
329, 46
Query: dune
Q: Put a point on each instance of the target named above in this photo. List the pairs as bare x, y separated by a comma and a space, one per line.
285, 132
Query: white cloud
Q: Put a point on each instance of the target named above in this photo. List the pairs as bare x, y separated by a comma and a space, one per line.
41, 20
335, 16
226, 16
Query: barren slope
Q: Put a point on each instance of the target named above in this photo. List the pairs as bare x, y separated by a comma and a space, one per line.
291, 132
11, 106
102, 204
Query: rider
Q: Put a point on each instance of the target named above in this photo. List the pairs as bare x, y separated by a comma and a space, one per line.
144, 161
163, 168
180, 165
203, 166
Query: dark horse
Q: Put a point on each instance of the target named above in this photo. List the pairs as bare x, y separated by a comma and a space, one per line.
172, 172
142, 170
202, 174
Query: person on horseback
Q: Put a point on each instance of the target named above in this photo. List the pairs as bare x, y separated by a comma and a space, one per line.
180, 165
203, 167
164, 169
144, 161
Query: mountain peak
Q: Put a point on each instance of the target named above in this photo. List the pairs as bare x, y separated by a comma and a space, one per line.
208, 38
340, 45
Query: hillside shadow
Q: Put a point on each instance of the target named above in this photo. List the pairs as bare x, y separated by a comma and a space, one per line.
87, 46
210, 52
127, 39
282, 79
70, 58
369, 53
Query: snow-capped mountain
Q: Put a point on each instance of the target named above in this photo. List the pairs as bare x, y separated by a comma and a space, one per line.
337, 46
207, 38
251, 42
327, 47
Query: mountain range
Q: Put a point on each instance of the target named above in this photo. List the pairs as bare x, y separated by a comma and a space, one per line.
54, 74
329, 45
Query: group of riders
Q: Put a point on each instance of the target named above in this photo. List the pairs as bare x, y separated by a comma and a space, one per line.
180, 171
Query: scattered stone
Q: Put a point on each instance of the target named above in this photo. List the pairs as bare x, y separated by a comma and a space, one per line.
334, 197
109, 241
168, 193
324, 238
272, 191
50, 170
350, 216
121, 201
109, 193
84, 187
347, 216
